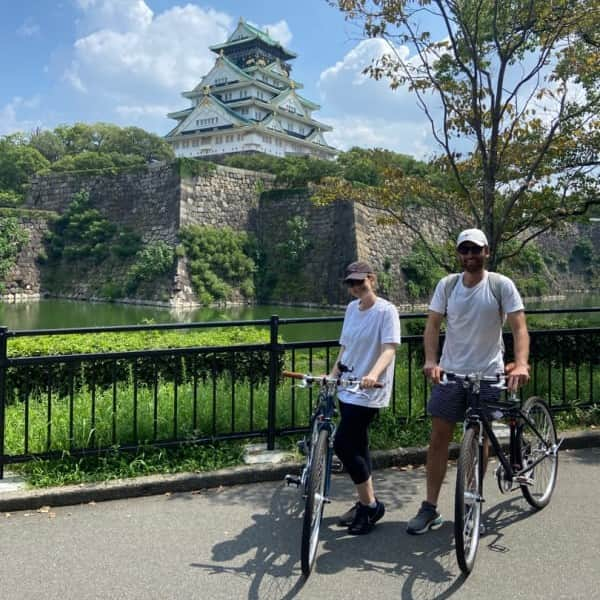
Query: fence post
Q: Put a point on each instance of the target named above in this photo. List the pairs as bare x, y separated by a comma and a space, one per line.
273, 377
3, 358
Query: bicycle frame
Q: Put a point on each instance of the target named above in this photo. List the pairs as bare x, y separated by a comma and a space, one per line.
322, 418
517, 419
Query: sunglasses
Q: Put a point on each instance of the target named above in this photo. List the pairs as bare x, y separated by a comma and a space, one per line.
353, 282
462, 249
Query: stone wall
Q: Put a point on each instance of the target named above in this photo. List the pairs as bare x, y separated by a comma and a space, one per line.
227, 197
331, 233
23, 281
145, 200
156, 203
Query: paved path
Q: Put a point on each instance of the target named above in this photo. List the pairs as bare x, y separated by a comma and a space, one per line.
243, 542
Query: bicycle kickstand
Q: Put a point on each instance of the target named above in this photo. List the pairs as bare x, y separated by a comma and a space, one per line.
293, 479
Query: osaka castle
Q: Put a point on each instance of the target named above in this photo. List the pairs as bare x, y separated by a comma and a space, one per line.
249, 103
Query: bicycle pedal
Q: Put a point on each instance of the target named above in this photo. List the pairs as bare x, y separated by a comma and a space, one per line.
337, 467
293, 479
524, 480
302, 447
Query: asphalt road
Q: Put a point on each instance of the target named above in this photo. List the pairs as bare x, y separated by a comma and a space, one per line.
243, 542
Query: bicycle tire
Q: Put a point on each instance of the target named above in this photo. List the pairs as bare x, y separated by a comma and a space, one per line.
467, 500
530, 449
313, 509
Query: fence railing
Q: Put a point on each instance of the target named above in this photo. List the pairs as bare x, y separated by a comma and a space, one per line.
84, 404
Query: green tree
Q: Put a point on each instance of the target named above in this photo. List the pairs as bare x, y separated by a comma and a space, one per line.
18, 162
107, 138
520, 145
47, 143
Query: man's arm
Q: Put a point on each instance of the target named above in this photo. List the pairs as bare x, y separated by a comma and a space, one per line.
519, 374
431, 340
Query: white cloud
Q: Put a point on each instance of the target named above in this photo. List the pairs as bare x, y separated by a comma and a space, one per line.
279, 31
11, 120
116, 15
139, 112
29, 28
138, 61
411, 138
372, 113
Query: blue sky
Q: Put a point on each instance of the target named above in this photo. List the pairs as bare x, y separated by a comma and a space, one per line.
127, 62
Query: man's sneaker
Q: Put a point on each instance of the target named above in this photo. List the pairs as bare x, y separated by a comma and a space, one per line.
365, 518
427, 518
346, 519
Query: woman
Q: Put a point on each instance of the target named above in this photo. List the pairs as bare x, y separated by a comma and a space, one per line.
370, 335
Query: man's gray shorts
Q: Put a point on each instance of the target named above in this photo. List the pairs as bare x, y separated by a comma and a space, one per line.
449, 402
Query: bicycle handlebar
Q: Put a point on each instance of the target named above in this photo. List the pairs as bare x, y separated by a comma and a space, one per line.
323, 379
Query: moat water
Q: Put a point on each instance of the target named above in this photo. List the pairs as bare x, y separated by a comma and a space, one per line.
51, 313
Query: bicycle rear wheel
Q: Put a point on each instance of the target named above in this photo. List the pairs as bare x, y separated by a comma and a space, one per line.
541, 449
315, 498
467, 501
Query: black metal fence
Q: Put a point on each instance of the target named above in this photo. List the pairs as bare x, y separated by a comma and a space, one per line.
52, 404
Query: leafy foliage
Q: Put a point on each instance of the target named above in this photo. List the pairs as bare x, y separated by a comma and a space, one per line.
81, 232
97, 161
151, 261
290, 171
219, 262
18, 162
191, 167
520, 147
12, 238
279, 276
103, 373
421, 271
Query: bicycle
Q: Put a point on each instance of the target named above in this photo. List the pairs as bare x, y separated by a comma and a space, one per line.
315, 478
530, 465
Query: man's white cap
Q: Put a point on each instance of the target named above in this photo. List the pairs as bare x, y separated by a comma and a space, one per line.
472, 235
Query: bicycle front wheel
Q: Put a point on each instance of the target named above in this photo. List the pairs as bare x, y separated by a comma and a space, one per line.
537, 449
315, 498
467, 501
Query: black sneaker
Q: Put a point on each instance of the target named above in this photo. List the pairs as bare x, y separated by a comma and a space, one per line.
365, 518
427, 518
346, 519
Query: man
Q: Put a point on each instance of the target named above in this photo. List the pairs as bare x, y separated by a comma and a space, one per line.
474, 303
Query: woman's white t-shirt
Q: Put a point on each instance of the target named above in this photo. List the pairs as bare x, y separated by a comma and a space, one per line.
363, 333
473, 341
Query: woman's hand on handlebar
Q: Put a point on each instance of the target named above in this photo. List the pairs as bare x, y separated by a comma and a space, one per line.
368, 381
433, 372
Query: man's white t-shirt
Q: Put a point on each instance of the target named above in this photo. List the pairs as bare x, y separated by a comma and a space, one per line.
473, 324
363, 333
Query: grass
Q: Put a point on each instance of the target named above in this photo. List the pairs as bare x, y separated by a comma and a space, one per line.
126, 414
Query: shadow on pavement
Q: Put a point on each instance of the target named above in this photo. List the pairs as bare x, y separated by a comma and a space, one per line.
270, 546
271, 542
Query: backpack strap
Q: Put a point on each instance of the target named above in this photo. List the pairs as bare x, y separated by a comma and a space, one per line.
494, 281
449, 285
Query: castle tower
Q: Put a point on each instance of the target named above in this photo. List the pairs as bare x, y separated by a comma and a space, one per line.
249, 103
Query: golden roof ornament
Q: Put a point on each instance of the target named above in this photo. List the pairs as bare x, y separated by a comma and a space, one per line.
206, 90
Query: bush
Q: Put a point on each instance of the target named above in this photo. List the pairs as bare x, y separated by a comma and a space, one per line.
192, 167
81, 232
421, 271
152, 261
64, 377
219, 262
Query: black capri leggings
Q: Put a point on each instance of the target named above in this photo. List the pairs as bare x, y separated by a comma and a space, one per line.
351, 442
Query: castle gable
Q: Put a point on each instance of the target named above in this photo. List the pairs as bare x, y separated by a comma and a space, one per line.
209, 114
